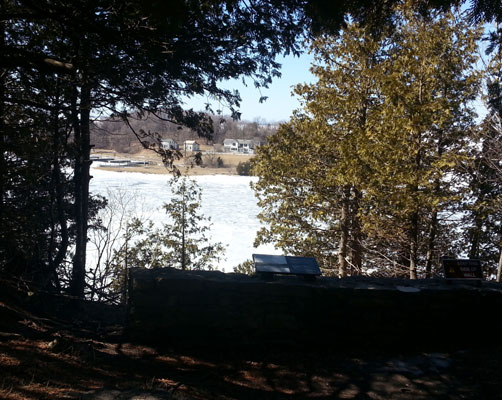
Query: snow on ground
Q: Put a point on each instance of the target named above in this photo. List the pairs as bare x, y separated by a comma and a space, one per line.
227, 200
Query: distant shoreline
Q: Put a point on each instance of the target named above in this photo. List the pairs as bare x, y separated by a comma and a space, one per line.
156, 166
161, 170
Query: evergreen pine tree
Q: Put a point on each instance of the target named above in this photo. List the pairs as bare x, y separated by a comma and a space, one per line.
366, 172
182, 243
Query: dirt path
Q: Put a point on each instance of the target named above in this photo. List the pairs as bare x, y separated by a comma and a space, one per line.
68, 349
48, 358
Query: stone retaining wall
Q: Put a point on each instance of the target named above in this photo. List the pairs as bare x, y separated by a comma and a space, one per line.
168, 306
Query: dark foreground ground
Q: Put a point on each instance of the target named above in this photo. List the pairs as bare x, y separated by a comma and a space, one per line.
65, 354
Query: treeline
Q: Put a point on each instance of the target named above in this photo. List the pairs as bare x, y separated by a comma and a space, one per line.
115, 134
386, 169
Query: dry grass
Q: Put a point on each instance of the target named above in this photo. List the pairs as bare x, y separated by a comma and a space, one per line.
230, 162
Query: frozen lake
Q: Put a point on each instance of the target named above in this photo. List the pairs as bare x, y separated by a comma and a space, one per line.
227, 200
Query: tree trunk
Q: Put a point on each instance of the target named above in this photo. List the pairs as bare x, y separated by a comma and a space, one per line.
58, 190
476, 233
344, 234
3, 167
433, 228
356, 247
431, 244
413, 246
81, 186
183, 254
499, 268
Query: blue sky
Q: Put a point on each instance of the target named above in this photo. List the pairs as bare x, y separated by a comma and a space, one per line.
280, 103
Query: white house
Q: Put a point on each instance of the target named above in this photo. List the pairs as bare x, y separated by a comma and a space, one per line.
169, 144
231, 145
238, 146
192, 145
246, 146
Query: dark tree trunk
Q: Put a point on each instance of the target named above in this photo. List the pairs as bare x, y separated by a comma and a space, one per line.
183, 225
183, 249
499, 267
413, 245
415, 216
433, 228
476, 234
81, 187
344, 233
431, 244
356, 243
57, 202
3, 167
78, 271
60, 206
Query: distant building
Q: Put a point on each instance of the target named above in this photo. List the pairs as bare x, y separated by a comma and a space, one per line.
192, 145
239, 146
258, 142
230, 145
169, 144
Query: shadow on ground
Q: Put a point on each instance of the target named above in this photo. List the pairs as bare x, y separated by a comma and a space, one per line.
44, 357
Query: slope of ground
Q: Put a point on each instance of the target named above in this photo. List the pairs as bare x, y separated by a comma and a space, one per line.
50, 351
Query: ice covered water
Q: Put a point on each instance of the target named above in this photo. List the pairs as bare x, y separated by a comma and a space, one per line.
227, 200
